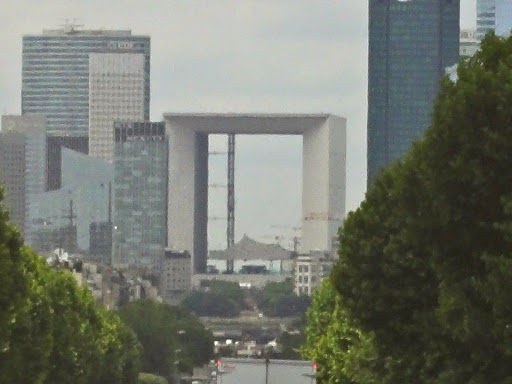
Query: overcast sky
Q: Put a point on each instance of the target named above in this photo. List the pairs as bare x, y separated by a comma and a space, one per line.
234, 56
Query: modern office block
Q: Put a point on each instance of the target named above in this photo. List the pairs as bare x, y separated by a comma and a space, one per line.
55, 72
64, 217
22, 165
140, 194
116, 92
100, 240
411, 43
55, 141
493, 15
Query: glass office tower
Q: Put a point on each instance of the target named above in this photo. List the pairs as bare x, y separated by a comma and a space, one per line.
493, 15
22, 166
140, 194
411, 43
55, 72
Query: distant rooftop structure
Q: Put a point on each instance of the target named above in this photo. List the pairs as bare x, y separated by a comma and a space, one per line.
249, 249
76, 29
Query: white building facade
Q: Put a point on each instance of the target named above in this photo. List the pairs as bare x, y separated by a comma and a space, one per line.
310, 270
468, 43
116, 92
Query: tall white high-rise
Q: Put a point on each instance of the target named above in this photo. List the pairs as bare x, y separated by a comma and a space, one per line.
493, 15
116, 92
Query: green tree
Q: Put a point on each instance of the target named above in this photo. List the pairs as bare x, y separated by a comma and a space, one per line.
426, 264
218, 298
148, 378
167, 335
279, 300
344, 354
50, 329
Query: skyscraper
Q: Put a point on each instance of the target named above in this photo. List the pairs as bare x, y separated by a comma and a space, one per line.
410, 45
55, 142
55, 72
493, 15
22, 165
140, 194
116, 92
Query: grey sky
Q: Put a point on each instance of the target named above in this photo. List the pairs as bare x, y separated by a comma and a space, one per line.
236, 56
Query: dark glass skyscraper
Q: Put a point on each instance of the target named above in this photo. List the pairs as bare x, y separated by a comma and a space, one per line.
140, 194
55, 72
411, 43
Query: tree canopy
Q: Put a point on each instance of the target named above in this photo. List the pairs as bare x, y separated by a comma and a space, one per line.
50, 328
217, 298
279, 300
425, 268
169, 335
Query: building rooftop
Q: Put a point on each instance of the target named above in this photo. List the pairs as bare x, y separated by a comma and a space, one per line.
73, 29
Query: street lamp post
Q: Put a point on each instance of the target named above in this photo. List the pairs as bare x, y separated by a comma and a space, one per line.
177, 361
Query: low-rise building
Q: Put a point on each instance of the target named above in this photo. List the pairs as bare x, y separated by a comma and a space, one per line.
310, 270
175, 275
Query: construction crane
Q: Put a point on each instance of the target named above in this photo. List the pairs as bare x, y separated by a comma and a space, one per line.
295, 238
230, 230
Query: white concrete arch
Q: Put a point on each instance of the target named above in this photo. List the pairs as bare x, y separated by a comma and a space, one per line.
324, 174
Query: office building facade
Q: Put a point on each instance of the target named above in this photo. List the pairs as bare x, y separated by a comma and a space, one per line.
22, 165
116, 92
64, 217
468, 43
493, 15
55, 72
410, 46
140, 194
175, 276
55, 141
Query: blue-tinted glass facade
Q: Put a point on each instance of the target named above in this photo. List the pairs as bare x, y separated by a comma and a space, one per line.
493, 15
140, 194
410, 45
84, 199
55, 73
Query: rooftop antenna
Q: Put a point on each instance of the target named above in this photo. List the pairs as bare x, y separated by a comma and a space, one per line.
71, 26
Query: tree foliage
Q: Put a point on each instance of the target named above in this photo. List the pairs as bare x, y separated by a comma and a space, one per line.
148, 378
167, 334
279, 300
218, 298
425, 270
343, 352
50, 329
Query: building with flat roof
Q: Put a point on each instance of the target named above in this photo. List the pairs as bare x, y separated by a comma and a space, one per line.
140, 194
410, 45
116, 92
175, 276
55, 72
22, 165
468, 43
310, 270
